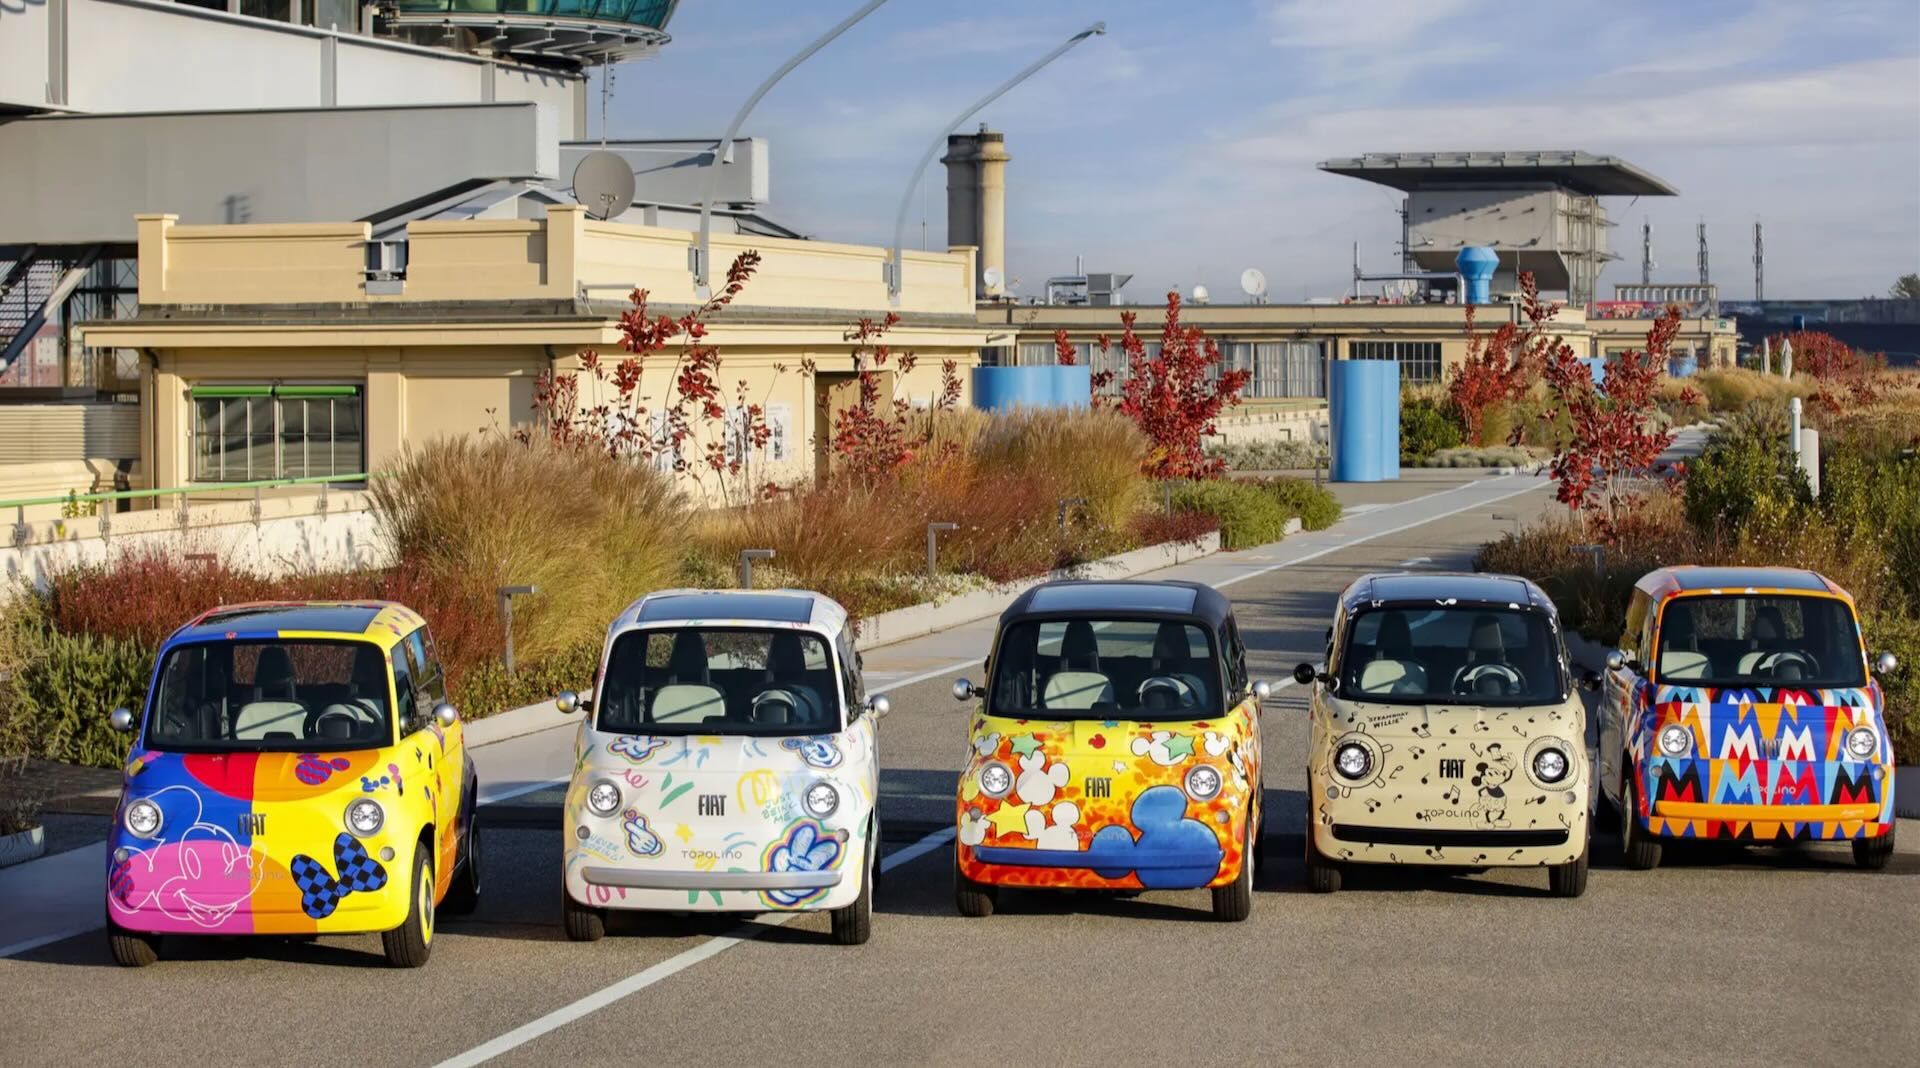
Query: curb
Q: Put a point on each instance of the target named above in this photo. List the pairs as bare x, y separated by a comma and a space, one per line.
919, 620
514, 723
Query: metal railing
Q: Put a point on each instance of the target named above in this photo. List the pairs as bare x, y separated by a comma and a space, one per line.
22, 530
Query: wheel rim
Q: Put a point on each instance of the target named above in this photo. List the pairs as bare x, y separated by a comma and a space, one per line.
426, 905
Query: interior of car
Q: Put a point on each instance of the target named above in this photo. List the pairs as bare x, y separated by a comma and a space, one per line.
720, 681
1759, 639
1105, 666
273, 693
1451, 653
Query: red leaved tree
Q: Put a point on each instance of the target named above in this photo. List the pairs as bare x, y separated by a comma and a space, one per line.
1842, 372
1499, 367
872, 437
1613, 434
1174, 397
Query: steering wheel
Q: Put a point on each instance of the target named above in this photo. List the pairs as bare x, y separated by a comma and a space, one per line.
1182, 694
1770, 663
321, 715
1465, 679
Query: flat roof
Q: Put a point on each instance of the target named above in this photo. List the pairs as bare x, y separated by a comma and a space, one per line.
1582, 172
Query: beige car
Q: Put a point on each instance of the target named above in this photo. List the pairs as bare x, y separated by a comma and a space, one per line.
1447, 731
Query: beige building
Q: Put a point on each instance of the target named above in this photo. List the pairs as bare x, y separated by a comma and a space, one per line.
276, 351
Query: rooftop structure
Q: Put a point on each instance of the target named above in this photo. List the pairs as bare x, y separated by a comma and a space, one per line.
1580, 172
565, 31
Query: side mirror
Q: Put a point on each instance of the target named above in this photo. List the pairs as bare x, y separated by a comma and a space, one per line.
879, 705
1262, 690
964, 690
1616, 660
1304, 674
568, 702
1590, 681
1885, 664
445, 715
121, 720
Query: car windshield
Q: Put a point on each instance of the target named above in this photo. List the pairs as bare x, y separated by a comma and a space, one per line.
1106, 669
1463, 654
719, 680
271, 696
1760, 641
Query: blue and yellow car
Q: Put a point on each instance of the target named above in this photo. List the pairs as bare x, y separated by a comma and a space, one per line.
297, 771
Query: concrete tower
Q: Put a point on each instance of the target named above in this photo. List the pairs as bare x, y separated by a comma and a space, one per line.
977, 201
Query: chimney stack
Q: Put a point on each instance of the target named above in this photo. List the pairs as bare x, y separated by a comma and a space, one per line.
977, 202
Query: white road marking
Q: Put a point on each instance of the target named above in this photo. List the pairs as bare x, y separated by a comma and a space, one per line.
1415, 562
666, 969
490, 797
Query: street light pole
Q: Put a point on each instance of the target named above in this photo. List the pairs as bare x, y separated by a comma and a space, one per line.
703, 258
906, 199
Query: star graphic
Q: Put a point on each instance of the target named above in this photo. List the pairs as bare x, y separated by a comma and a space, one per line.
1180, 746
683, 832
1025, 744
1009, 819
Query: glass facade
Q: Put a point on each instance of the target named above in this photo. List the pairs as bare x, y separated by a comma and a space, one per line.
244, 433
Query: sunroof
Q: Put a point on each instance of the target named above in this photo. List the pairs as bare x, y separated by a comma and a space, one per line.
1113, 597
783, 608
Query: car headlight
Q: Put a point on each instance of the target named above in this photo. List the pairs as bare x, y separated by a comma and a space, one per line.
1353, 761
1675, 740
365, 817
143, 819
1550, 766
603, 798
1862, 742
1204, 782
996, 779
821, 799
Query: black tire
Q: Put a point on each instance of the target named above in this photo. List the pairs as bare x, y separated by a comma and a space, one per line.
1569, 879
1872, 854
1233, 902
463, 897
132, 949
1260, 837
583, 924
1323, 875
972, 899
1638, 849
853, 924
410, 944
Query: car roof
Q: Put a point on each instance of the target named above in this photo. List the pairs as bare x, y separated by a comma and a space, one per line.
1466, 587
1690, 578
794, 607
1187, 600
383, 622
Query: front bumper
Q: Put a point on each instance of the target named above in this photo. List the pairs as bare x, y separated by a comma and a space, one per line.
1763, 800
1526, 825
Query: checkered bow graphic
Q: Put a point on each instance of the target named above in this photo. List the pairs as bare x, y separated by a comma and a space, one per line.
321, 892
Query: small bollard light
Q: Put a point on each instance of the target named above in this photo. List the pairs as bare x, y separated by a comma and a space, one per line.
747, 557
506, 594
933, 536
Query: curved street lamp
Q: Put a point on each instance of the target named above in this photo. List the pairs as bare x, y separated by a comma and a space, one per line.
906, 200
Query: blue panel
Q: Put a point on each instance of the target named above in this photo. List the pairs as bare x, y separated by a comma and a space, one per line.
1365, 411
1046, 386
1683, 366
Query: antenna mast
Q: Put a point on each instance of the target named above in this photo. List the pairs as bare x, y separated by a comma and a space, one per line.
1406, 234
1759, 264
1646, 252
1703, 252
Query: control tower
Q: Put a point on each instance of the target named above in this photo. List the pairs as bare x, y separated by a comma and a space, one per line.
1539, 211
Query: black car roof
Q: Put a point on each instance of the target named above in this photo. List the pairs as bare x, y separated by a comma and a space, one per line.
1435, 587
1184, 600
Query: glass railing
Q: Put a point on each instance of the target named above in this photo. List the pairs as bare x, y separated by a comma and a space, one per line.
649, 13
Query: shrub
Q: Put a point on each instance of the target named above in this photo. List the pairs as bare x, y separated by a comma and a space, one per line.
1269, 455
1249, 513
62, 688
1745, 465
1490, 456
1180, 525
1735, 390
1899, 635
1426, 427
485, 689
1316, 507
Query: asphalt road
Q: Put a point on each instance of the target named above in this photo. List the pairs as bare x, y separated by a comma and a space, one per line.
1769, 956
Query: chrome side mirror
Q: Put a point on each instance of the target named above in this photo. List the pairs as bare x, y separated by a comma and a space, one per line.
1616, 660
879, 705
445, 715
121, 720
1885, 663
568, 702
1262, 690
1304, 674
964, 690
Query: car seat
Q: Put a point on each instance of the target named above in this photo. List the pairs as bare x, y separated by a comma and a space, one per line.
1172, 664
689, 694
1680, 656
274, 709
1393, 670
1079, 683
786, 696
1769, 636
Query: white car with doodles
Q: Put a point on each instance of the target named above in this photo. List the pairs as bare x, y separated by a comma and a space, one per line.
727, 763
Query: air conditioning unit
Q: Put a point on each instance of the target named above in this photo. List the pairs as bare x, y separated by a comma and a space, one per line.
386, 267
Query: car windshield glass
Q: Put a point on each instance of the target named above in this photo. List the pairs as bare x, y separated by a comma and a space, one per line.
719, 680
271, 696
1106, 669
1760, 641
1463, 654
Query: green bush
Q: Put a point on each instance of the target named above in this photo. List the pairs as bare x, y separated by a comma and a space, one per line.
1877, 497
1426, 427
1899, 635
1482, 456
1270, 455
62, 687
1746, 467
1317, 508
1249, 513
487, 690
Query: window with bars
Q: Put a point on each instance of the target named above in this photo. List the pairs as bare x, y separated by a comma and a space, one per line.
244, 433
1419, 360
1279, 368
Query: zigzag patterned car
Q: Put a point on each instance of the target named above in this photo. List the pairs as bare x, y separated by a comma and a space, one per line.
1117, 748
1739, 707
297, 772
728, 763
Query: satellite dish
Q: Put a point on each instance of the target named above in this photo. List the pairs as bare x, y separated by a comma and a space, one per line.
1253, 282
1200, 294
603, 183
991, 276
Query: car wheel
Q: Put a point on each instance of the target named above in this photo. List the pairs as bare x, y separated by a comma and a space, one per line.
1640, 850
1323, 875
1872, 854
464, 895
971, 898
1569, 879
853, 924
582, 923
1233, 902
132, 949
409, 944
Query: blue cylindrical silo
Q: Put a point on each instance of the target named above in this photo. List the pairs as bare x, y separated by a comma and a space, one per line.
1476, 264
1365, 413
1042, 386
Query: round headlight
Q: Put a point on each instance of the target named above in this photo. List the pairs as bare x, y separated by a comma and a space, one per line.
821, 799
365, 817
143, 819
1203, 782
996, 779
1675, 740
603, 798
1862, 741
1550, 766
1353, 761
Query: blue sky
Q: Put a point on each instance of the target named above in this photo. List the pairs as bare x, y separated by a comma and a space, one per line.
1180, 147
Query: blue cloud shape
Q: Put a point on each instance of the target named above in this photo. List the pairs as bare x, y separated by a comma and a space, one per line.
1171, 850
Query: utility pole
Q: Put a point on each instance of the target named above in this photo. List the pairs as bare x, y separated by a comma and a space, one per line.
1646, 252
1759, 264
1703, 252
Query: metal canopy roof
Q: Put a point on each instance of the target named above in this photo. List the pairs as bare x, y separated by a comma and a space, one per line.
1581, 172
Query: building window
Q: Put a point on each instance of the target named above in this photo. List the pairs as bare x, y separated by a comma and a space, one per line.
1279, 368
1419, 360
255, 433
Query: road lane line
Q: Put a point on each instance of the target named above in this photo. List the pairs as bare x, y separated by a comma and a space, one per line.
666, 969
488, 797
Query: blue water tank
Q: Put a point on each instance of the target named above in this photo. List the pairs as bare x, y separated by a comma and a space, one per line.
1683, 366
1476, 264
1365, 412
1044, 386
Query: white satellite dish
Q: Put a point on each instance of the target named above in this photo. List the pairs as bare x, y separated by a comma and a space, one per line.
1200, 294
1253, 282
991, 277
603, 184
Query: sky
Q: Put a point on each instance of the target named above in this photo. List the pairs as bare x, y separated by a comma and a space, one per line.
1181, 146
